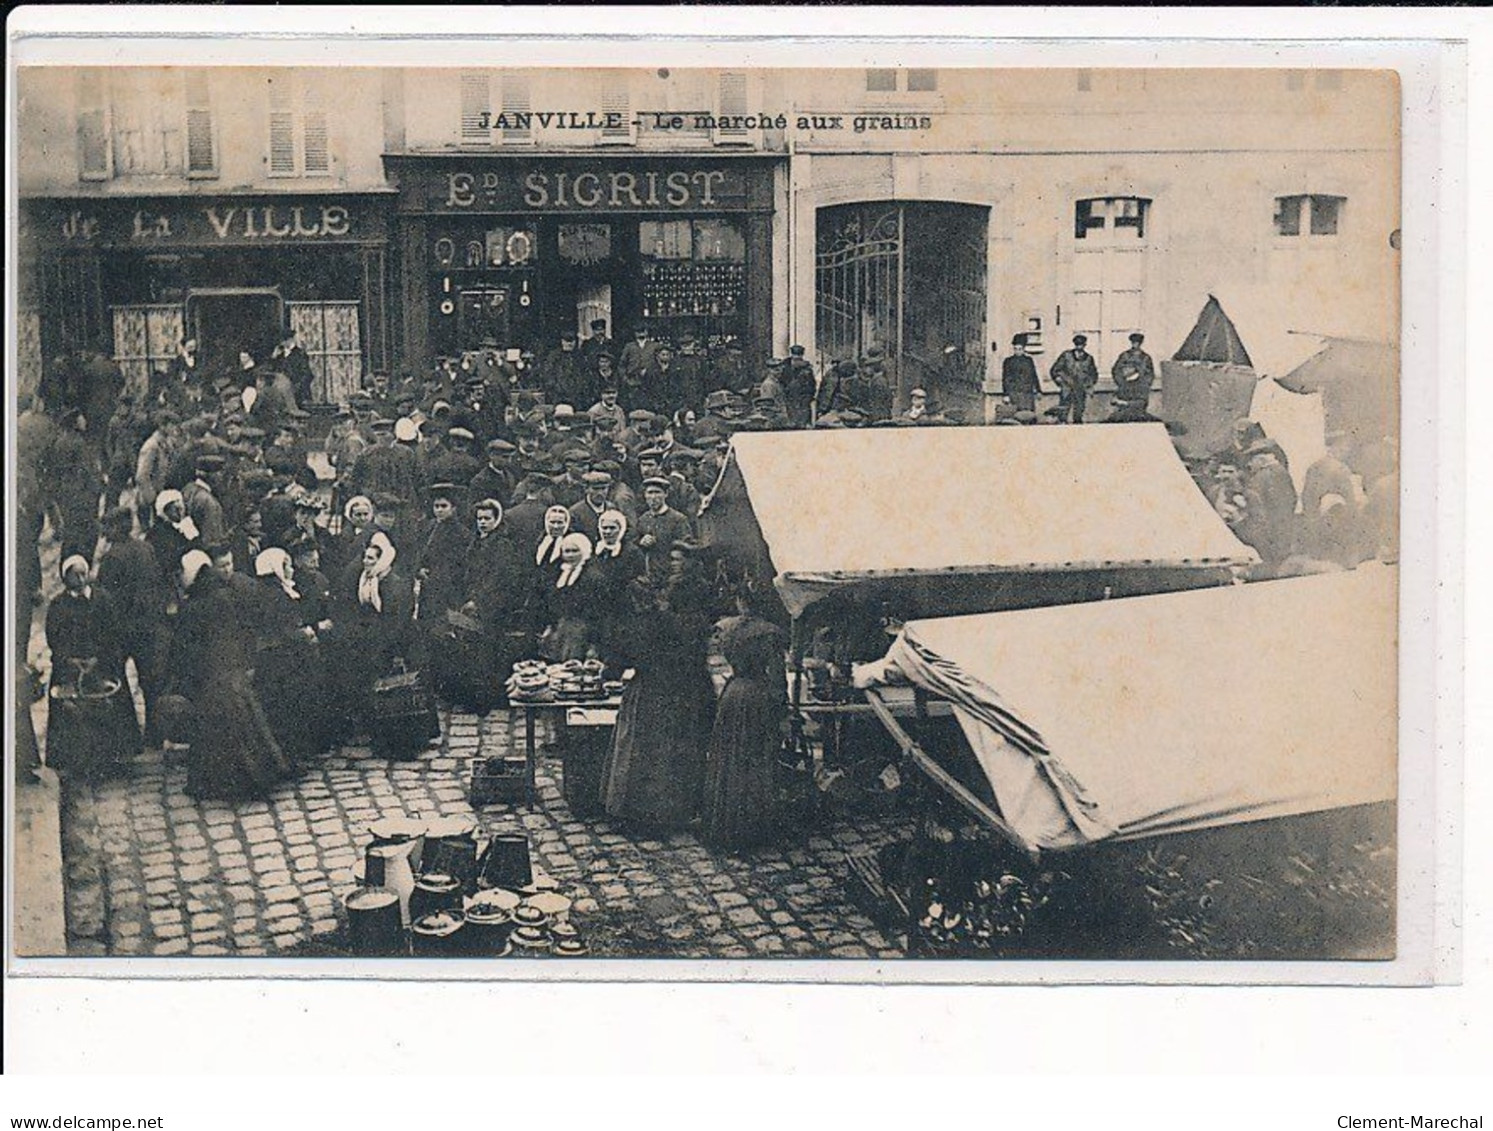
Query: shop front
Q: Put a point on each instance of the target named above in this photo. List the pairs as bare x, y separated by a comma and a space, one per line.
517, 250
130, 278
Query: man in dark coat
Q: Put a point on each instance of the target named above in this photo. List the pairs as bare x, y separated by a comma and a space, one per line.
563, 373
799, 388
1019, 382
659, 527
129, 572
494, 480
388, 469
1075, 373
202, 503
291, 359
586, 514
597, 344
524, 521
1134, 373
636, 358
691, 379
443, 546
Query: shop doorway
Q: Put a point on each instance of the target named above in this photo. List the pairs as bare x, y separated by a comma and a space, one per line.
912, 279
225, 321
482, 313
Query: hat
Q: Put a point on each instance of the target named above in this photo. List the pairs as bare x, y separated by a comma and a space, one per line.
596, 478
656, 481
501, 446
576, 456
774, 363
343, 413
875, 353
796, 351
606, 355
639, 415
564, 412
1018, 340
442, 491
310, 503
918, 393
406, 430
683, 455
717, 400
655, 454
210, 461
461, 434
1137, 338
610, 466
1080, 339
381, 424
568, 334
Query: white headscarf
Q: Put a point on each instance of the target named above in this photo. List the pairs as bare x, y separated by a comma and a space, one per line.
275, 563
347, 510
78, 560
193, 562
368, 580
607, 549
549, 545
570, 572
186, 527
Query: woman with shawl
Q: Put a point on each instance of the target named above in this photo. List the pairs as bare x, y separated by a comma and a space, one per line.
575, 600
654, 773
91, 724
173, 533
358, 526
289, 673
375, 626
740, 793
235, 755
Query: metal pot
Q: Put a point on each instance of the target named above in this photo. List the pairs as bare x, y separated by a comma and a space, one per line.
435, 892
374, 929
507, 864
408, 832
451, 847
388, 866
530, 942
487, 931
439, 935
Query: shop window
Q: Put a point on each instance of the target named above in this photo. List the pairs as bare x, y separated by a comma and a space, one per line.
95, 158
145, 341
1111, 218
331, 335
694, 276
202, 147
299, 143
1308, 214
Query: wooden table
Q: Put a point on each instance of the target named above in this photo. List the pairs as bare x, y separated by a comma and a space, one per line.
574, 712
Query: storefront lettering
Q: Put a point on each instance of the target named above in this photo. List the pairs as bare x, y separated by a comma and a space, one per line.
148, 226
587, 190
79, 227
274, 223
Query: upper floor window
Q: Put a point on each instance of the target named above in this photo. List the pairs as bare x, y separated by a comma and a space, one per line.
145, 123
1308, 214
496, 108
1111, 218
299, 143
886, 80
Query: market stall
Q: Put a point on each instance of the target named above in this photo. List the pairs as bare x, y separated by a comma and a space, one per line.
1162, 714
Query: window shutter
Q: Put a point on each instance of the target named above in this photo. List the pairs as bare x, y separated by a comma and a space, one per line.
94, 157
731, 102
282, 127
129, 132
475, 103
616, 99
516, 100
202, 156
318, 152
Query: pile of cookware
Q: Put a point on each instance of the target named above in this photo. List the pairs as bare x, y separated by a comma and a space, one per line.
429, 889
534, 681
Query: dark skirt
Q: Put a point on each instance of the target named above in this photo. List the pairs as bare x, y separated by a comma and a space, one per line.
740, 793
235, 755
290, 681
655, 770
92, 736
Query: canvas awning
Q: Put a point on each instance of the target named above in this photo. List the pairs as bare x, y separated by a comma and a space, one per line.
1177, 712
1214, 339
832, 509
1360, 386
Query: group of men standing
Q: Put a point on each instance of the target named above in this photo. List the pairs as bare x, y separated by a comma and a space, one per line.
1075, 372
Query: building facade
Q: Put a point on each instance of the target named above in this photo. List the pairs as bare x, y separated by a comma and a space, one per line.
394, 216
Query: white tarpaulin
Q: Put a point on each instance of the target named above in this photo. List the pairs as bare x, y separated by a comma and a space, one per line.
1183, 711
837, 507
1295, 421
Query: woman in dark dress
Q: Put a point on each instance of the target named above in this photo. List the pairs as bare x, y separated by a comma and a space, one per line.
655, 770
614, 557
374, 608
235, 754
173, 533
91, 724
289, 674
575, 600
358, 527
740, 794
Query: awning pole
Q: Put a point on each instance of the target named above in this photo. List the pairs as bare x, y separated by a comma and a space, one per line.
945, 780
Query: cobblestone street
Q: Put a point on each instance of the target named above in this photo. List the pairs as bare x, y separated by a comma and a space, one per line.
150, 871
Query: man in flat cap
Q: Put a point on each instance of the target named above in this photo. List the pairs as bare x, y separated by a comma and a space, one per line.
597, 500
495, 478
1134, 373
1074, 372
202, 504
799, 387
636, 358
659, 527
597, 343
1019, 382
388, 468
691, 368
570, 487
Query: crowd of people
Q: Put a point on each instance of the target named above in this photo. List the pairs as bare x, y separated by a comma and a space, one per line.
263, 567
